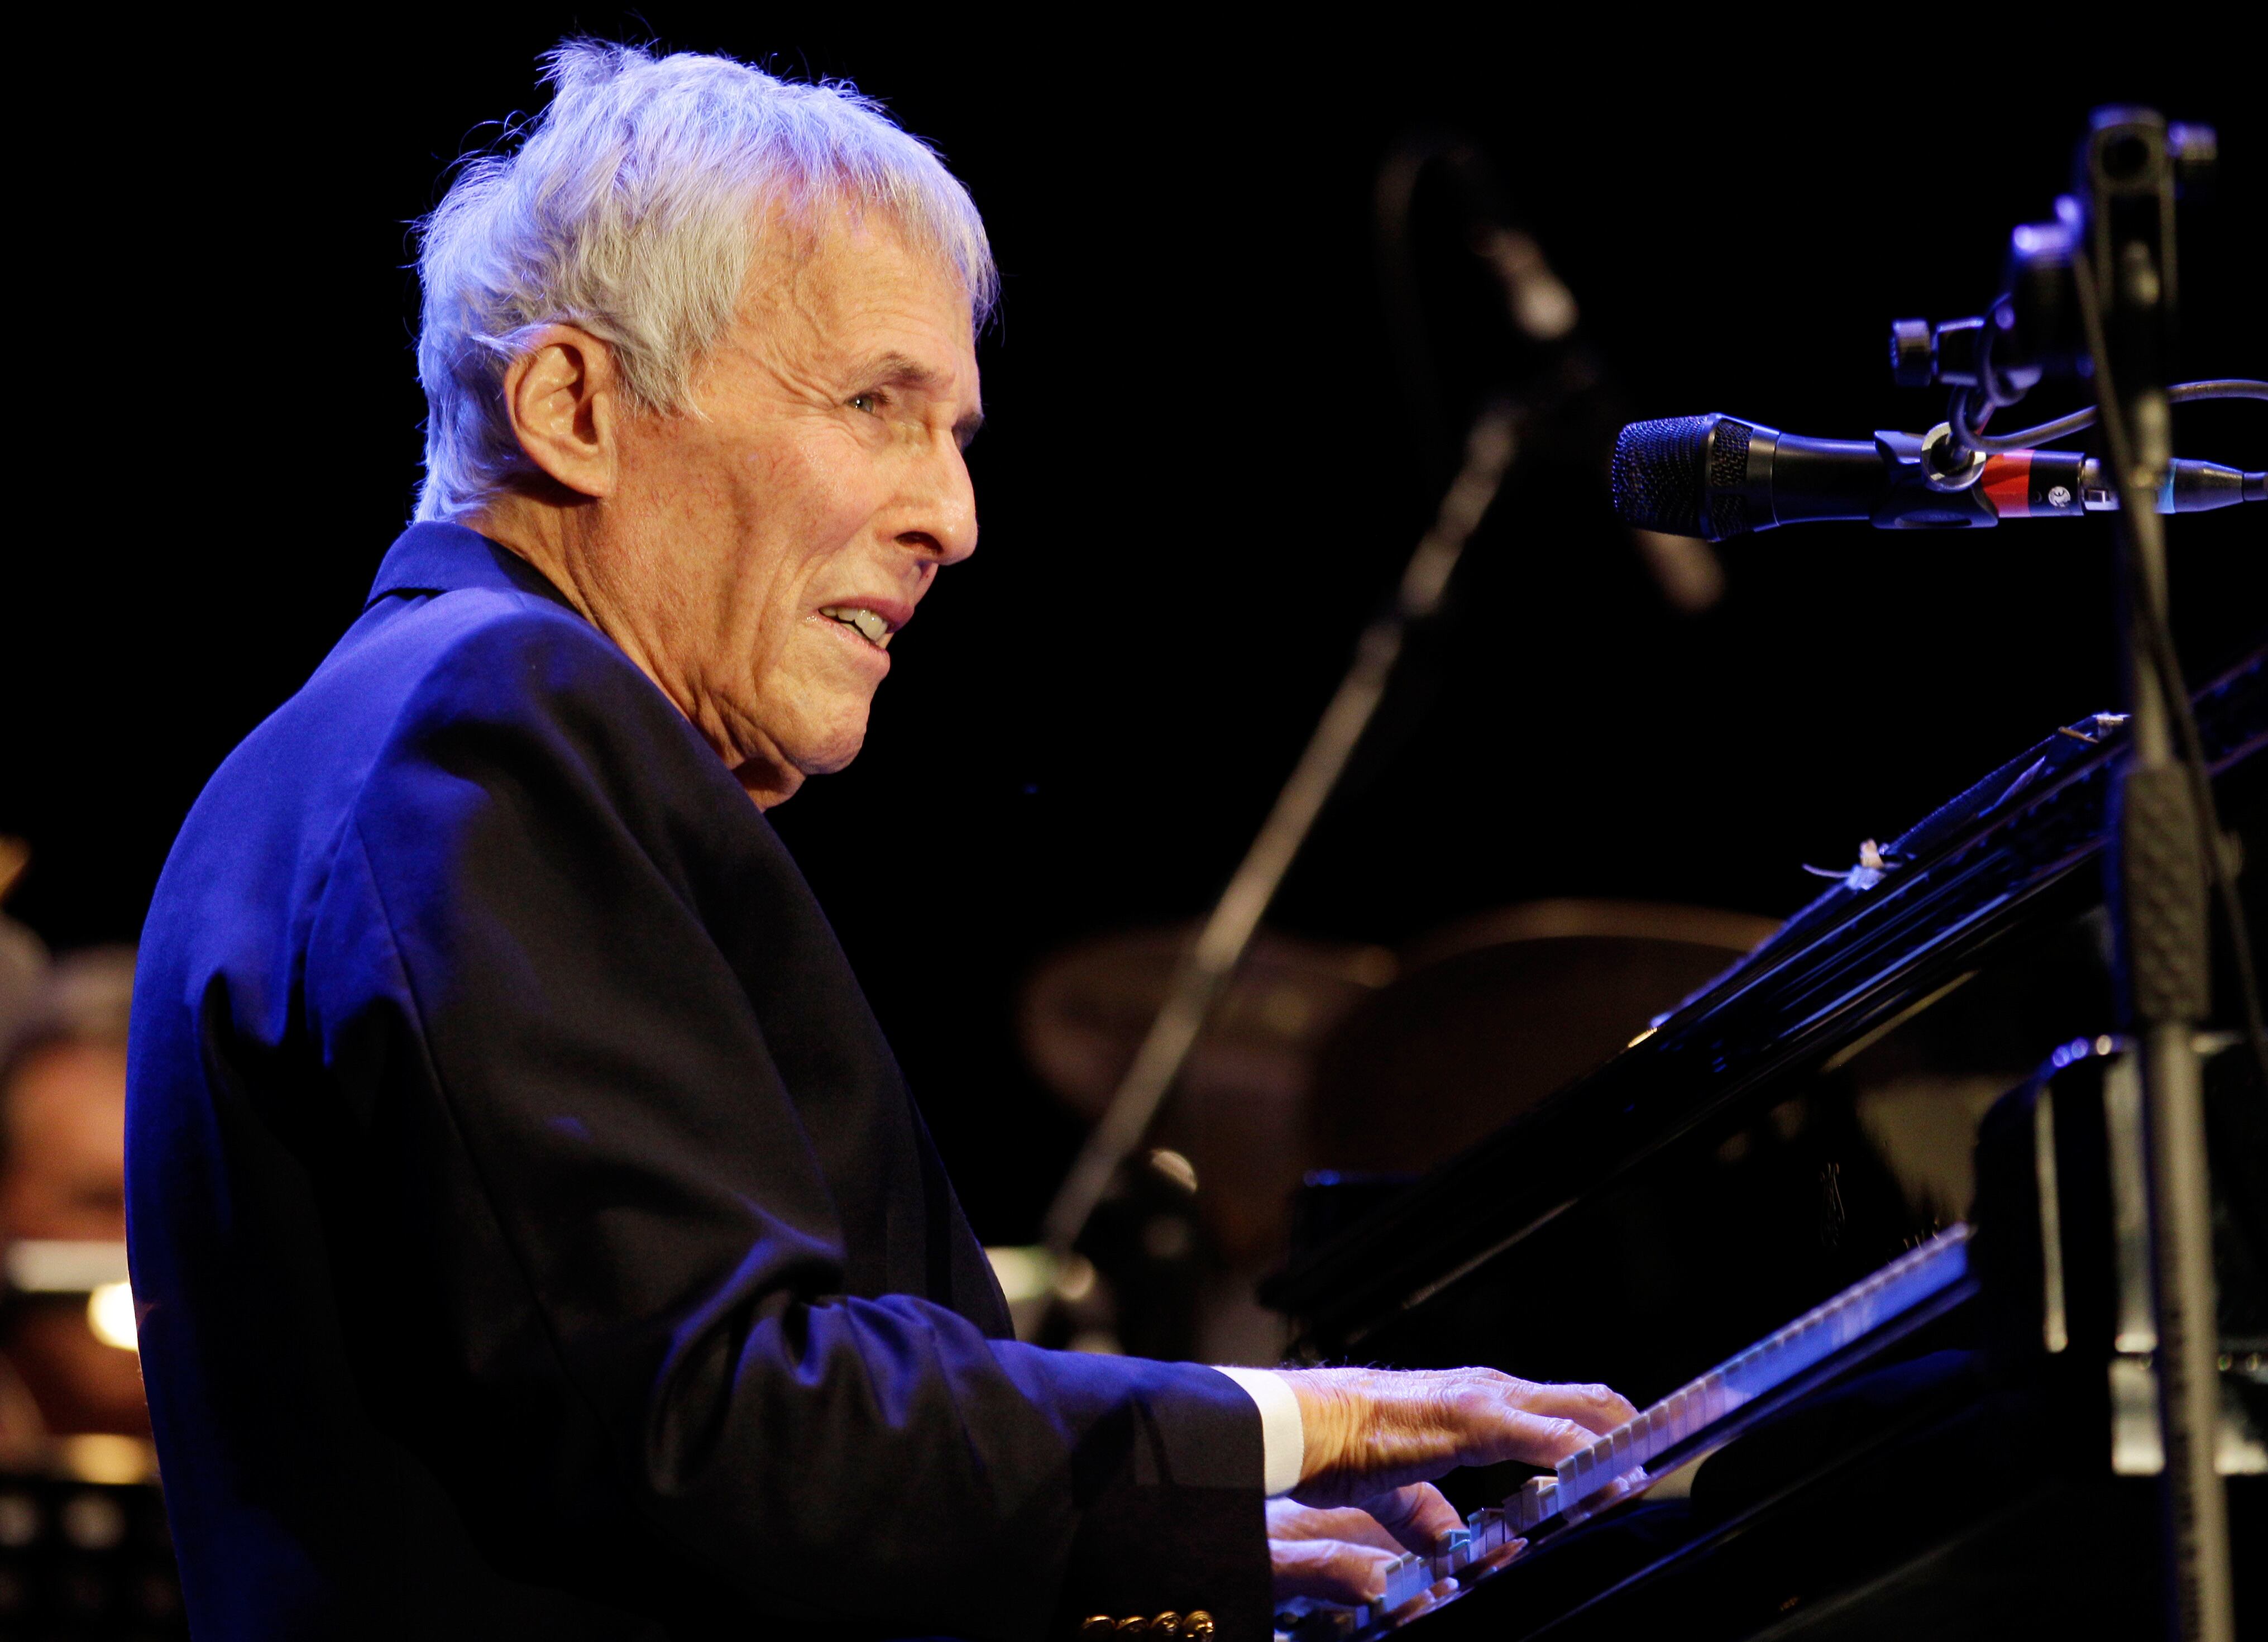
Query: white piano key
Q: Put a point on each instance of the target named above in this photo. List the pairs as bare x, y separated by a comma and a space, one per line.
1688, 1411
1519, 1508
1454, 1552
1763, 1367
1487, 1527
1533, 1502
1408, 1577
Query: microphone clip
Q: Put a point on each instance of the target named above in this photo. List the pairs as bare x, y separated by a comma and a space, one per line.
1946, 466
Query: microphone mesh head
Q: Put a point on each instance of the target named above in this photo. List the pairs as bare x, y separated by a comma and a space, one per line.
1660, 474
1728, 470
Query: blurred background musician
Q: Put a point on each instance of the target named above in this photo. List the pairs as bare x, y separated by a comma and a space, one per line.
63, 1201
84, 1547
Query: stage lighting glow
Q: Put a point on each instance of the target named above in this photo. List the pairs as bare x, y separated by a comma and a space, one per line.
110, 1314
1025, 1274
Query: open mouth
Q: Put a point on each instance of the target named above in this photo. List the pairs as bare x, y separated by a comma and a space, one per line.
874, 629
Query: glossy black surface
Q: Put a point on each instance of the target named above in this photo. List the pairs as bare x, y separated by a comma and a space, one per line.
1719, 1177
1952, 1477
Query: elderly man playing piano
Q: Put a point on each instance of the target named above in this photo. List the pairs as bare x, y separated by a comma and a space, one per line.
532, 1233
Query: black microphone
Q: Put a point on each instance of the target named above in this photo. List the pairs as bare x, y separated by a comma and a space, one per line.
1716, 477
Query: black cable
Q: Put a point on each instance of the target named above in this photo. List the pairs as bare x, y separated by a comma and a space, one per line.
1971, 436
2165, 662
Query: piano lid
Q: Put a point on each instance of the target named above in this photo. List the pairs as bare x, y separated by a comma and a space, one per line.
1885, 936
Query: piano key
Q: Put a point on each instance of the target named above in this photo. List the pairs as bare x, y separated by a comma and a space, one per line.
1408, 1577
1535, 1502
1681, 1406
1506, 1528
1520, 1509
1485, 1526
1596, 1475
1455, 1551
1769, 1364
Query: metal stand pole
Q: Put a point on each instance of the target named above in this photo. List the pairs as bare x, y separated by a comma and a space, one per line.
1204, 974
2162, 937
2127, 291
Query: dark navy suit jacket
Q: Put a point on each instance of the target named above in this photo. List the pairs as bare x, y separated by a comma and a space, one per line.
532, 1232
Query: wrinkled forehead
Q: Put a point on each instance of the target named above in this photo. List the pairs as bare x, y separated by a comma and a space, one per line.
857, 287
848, 256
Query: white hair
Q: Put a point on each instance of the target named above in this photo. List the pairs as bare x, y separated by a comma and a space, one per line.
631, 209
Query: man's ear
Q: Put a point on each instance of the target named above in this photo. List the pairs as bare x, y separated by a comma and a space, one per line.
564, 398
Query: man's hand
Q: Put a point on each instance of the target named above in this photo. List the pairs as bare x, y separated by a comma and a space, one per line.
1341, 1555
1370, 1431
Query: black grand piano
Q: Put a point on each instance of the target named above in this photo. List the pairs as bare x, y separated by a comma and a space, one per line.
1854, 1225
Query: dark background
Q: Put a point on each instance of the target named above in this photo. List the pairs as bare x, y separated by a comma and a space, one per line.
1197, 479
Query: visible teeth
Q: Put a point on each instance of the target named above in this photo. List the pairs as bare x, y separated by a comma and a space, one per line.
870, 627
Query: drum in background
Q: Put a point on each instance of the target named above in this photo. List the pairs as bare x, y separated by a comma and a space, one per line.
1349, 1058
1238, 1113
1487, 1016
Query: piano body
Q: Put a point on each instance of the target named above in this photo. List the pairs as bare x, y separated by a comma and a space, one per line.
1915, 1375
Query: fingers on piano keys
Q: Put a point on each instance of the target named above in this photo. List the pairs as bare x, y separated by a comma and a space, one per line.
1494, 1537
1414, 1583
1772, 1362
1614, 1466
1486, 1535
1408, 1577
1455, 1551
1412, 1586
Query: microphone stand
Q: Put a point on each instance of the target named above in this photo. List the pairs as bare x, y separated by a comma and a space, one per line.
2094, 295
2127, 298
1204, 973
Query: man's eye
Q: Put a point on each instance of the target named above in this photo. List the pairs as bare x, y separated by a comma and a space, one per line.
870, 403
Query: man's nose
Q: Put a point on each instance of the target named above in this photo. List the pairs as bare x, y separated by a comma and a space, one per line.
941, 525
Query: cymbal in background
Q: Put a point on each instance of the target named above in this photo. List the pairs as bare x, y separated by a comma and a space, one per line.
1236, 1112
1353, 1058
1490, 1015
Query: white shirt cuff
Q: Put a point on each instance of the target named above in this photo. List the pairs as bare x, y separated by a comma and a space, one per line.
1283, 1435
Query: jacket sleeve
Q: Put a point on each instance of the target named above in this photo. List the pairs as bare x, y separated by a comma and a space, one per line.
601, 1275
